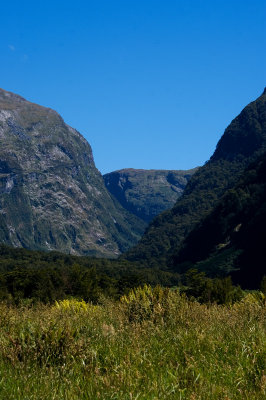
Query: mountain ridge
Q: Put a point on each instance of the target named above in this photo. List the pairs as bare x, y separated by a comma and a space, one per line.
167, 231
52, 195
146, 193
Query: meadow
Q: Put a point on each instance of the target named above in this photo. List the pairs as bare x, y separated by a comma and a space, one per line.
151, 344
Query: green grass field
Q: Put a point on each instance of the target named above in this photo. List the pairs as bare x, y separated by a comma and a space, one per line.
153, 344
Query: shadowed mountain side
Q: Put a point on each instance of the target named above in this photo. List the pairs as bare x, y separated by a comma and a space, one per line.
242, 142
232, 237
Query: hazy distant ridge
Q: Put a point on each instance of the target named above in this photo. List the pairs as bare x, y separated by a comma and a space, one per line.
146, 193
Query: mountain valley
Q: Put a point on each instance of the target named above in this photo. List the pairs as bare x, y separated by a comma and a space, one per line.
242, 143
52, 197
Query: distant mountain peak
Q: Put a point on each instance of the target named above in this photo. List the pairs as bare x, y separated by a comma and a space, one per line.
9, 96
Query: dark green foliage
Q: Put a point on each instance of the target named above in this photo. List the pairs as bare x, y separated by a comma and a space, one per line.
46, 277
49, 276
206, 290
243, 141
232, 236
167, 230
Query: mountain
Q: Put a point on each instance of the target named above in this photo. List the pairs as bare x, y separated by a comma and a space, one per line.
231, 239
51, 194
146, 193
241, 143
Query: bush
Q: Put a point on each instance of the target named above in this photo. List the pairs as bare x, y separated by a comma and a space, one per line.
145, 303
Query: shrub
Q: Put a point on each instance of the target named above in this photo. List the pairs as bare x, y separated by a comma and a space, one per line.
145, 302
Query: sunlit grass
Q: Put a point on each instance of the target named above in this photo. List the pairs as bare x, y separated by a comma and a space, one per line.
153, 345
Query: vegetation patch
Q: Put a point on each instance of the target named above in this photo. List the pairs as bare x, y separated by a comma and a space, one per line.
151, 344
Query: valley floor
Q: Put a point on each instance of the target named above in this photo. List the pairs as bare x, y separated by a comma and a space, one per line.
153, 344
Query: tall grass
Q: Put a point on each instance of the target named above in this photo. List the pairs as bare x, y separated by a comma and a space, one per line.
153, 344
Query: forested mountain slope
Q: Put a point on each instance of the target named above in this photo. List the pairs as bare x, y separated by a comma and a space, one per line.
52, 197
241, 143
231, 239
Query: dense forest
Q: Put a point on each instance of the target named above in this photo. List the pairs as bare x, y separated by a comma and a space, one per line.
49, 276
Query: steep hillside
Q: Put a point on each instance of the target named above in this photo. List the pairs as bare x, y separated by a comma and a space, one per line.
242, 142
147, 193
51, 194
232, 237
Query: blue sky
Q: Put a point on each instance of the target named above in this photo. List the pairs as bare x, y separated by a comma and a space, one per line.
150, 84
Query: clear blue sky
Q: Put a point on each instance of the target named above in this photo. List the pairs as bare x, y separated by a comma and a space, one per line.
149, 83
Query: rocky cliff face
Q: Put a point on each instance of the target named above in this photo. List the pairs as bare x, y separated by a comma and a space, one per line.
146, 193
51, 194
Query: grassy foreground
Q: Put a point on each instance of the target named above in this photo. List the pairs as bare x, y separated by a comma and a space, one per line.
153, 344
